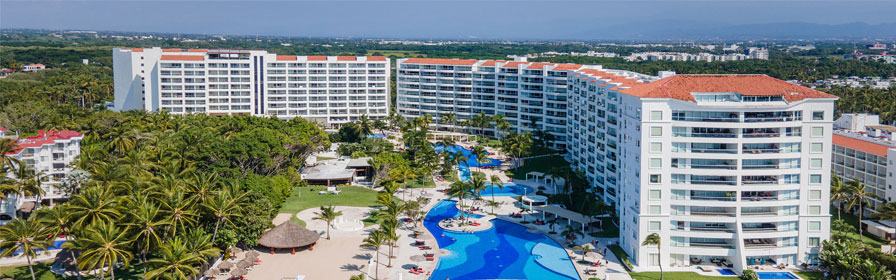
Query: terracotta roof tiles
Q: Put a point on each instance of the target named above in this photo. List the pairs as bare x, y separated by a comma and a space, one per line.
858, 144
317, 58
183, 57
346, 58
492, 62
514, 64
441, 61
286, 57
376, 58
681, 86
566, 66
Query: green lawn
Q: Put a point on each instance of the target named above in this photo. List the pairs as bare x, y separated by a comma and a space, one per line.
418, 183
542, 164
620, 254
308, 197
676, 276
42, 272
853, 220
810, 275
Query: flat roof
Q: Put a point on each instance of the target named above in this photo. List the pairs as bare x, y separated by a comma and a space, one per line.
328, 170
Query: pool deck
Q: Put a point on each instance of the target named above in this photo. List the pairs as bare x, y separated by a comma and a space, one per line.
484, 224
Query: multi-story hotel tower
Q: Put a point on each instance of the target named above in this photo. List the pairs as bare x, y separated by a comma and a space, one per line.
733, 167
327, 89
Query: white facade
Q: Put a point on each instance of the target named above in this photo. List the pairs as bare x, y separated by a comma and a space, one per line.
33, 67
865, 151
50, 154
530, 95
328, 89
721, 167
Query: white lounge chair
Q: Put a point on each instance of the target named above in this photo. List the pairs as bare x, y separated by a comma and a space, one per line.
333, 190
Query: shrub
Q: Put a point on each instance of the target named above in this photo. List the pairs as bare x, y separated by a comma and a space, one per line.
749, 275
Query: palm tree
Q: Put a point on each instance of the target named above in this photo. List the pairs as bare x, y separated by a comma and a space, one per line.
8, 146
57, 221
27, 182
174, 261
459, 190
375, 239
389, 226
104, 245
476, 186
585, 248
838, 192
654, 239
859, 198
328, 214
496, 182
885, 212
94, 204
199, 243
364, 126
24, 235
224, 207
147, 224
481, 156
572, 231
448, 118
179, 209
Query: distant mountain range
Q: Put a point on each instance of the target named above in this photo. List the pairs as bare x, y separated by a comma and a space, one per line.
695, 30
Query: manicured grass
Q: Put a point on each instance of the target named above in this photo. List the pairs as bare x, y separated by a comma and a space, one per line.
620, 254
542, 164
418, 183
676, 276
853, 220
810, 275
350, 196
42, 272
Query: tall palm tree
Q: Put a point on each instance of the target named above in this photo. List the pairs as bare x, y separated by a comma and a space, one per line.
94, 204
585, 248
460, 190
481, 156
838, 192
496, 182
654, 239
886, 211
27, 182
375, 239
224, 207
7, 146
58, 221
148, 226
174, 261
476, 186
328, 214
199, 243
364, 126
389, 226
860, 197
104, 245
24, 235
448, 118
180, 210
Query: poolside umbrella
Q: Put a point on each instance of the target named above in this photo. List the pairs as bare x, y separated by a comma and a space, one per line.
243, 264
211, 272
253, 254
238, 272
225, 265
251, 259
288, 235
594, 256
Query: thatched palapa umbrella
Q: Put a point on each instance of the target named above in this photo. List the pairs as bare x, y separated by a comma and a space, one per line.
211, 272
252, 254
225, 265
288, 235
238, 272
243, 264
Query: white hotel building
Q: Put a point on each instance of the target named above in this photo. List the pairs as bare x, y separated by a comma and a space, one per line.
328, 89
865, 150
51, 154
733, 167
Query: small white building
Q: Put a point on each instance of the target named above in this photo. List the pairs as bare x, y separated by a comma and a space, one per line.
33, 67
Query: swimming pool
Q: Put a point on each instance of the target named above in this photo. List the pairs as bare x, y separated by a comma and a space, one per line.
376, 135
506, 251
510, 189
56, 245
776, 275
471, 160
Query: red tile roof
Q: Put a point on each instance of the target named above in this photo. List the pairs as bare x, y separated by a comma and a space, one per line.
681, 86
376, 58
197, 50
172, 50
514, 64
539, 65
182, 57
286, 57
137, 50
346, 58
492, 62
317, 58
861, 145
610, 78
566, 66
441, 61
44, 138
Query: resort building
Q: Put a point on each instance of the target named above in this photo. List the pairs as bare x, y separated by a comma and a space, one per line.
865, 150
531, 96
328, 89
33, 67
731, 170
50, 154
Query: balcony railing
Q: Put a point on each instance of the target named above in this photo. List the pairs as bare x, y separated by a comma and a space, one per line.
711, 213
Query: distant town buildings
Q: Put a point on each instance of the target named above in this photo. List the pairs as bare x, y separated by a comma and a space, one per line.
800, 48
854, 82
328, 89
876, 46
33, 67
555, 54
865, 150
751, 53
50, 154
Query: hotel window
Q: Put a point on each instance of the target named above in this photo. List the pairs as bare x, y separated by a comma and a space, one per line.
814, 226
656, 163
656, 131
656, 115
814, 241
655, 195
816, 148
814, 209
654, 259
655, 178
655, 209
656, 147
655, 226
818, 115
817, 131
815, 195
815, 179
815, 163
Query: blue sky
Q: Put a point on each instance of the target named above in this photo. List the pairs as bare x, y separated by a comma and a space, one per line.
426, 18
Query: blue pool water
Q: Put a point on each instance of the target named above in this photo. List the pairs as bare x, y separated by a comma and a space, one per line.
506, 251
776, 275
376, 136
471, 160
727, 272
510, 189
57, 244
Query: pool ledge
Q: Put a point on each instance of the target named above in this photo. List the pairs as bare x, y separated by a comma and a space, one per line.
484, 224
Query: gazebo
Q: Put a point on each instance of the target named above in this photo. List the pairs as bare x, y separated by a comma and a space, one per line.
288, 235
